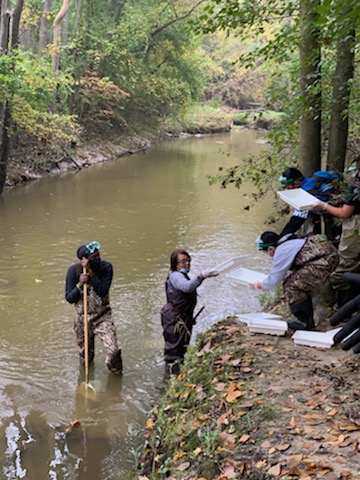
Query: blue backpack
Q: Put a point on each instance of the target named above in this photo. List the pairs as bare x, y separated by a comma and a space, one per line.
322, 184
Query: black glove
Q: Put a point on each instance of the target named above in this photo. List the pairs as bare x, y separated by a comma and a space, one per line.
351, 329
345, 312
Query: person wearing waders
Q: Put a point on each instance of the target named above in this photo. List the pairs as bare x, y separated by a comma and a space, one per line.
177, 315
349, 246
303, 265
322, 185
98, 277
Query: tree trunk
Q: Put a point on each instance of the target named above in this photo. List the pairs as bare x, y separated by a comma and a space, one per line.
4, 110
65, 29
5, 46
117, 8
310, 86
16, 23
339, 120
45, 26
4, 26
4, 142
77, 17
57, 34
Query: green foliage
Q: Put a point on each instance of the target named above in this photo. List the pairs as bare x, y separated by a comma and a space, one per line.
30, 87
157, 66
43, 125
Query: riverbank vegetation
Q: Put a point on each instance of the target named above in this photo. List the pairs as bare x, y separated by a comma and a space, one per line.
72, 73
311, 49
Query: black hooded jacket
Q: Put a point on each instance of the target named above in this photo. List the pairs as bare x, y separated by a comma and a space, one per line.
100, 280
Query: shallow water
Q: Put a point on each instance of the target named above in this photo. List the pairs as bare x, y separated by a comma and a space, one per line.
139, 208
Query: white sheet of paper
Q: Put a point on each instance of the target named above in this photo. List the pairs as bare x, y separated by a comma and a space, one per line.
298, 198
246, 276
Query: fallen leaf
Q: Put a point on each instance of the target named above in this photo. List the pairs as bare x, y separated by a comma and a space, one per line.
224, 359
232, 396
223, 419
220, 386
267, 349
246, 370
244, 438
293, 422
284, 447
178, 455
183, 466
226, 440
350, 427
150, 423
275, 470
294, 460
72, 425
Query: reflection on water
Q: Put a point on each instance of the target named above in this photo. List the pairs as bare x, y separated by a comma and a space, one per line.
139, 208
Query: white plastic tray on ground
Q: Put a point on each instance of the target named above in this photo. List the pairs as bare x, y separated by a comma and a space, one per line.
246, 276
229, 264
267, 325
298, 198
315, 339
246, 317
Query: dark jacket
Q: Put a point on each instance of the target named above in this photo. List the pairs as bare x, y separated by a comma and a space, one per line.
100, 280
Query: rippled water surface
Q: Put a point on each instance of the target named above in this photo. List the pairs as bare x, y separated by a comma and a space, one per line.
139, 208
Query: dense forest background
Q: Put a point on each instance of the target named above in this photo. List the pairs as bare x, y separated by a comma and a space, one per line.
75, 70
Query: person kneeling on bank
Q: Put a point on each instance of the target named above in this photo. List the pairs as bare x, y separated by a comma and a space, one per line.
302, 264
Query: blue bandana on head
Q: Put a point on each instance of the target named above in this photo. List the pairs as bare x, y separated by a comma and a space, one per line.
87, 249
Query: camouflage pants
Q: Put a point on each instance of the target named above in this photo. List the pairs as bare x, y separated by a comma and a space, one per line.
312, 267
349, 252
103, 327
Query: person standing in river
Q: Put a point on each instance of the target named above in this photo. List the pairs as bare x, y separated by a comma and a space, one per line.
177, 315
98, 278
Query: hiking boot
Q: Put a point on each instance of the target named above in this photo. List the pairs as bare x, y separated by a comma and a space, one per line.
299, 325
304, 314
172, 368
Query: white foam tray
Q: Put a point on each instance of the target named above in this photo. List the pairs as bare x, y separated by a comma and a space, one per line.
315, 339
246, 317
268, 326
246, 276
262, 322
298, 198
229, 264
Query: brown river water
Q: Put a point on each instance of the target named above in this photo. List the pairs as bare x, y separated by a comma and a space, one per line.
139, 208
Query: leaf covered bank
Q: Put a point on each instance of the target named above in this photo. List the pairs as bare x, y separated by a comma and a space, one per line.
250, 406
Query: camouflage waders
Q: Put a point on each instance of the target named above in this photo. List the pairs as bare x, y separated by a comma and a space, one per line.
349, 252
99, 323
311, 268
